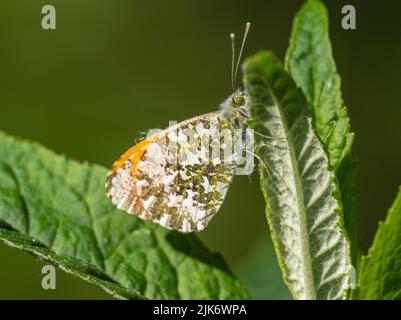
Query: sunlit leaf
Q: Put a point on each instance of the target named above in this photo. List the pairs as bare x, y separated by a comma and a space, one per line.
310, 62
303, 210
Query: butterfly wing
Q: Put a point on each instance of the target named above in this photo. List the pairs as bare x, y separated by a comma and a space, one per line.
171, 178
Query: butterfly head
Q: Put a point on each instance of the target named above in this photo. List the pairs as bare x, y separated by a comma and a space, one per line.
238, 98
235, 108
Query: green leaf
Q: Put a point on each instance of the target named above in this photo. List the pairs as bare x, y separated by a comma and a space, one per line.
380, 270
310, 62
300, 191
56, 209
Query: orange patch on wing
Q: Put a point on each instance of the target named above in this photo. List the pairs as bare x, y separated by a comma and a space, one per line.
134, 154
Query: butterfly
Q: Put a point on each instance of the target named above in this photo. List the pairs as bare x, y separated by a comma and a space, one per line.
179, 177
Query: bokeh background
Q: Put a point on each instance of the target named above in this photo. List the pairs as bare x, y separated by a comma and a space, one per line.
114, 68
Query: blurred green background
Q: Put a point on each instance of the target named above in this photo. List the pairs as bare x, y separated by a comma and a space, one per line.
115, 68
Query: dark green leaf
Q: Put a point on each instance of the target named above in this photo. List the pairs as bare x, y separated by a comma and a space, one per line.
56, 208
380, 270
310, 62
303, 210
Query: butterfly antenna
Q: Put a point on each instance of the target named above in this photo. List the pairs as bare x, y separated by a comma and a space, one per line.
247, 26
232, 37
